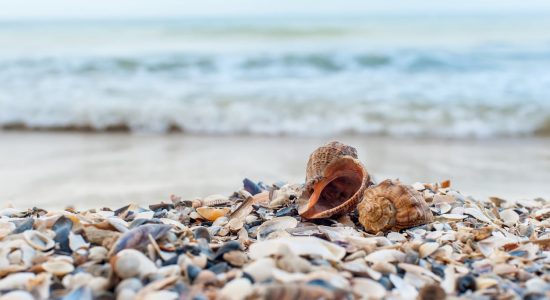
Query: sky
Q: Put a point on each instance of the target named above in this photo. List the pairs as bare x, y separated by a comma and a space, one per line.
90, 9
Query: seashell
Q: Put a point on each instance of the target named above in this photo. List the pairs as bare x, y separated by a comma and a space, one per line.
126, 294
58, 267
215, 200
158, 295
81, 293
295, 291
485, 282
454, 217
62, 227
251, 187
432, 291
273, 225
335, 181
76, 242
17, 295
261, 269
396, 237
419, 186
427, 249
386, 255
285, 195
131, 263
357, 266
138, 238
227, 247
38, 240
23, 226
299, 245
236, 289
476, 213
384, 267
504, 268
16, 281
6, 228
392, 206
344, 234
147, 215
201, 232
368, 289
100, 236
131, 283
509, 217
402, 287
235, 224
235, 258
291, 262
98, 253
211, 213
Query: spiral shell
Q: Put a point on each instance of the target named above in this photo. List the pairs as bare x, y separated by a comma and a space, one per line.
392, 205
335, 181
324, 155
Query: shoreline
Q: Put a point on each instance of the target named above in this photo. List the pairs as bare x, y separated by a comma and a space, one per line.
174, 129
91, 170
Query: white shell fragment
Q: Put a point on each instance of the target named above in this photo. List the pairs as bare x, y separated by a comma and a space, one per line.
299, 246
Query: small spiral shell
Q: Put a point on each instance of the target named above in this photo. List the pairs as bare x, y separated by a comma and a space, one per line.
392, 205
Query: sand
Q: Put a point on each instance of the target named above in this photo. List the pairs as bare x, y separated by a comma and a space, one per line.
54, 170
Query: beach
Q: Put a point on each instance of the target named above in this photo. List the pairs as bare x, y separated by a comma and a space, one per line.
55, 170
339, 237
283, 150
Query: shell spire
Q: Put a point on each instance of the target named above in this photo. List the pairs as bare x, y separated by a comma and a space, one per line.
392, 205
335, 181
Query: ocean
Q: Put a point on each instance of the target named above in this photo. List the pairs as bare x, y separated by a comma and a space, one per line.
437, 76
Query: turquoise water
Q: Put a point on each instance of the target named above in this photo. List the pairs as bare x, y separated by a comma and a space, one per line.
422, 75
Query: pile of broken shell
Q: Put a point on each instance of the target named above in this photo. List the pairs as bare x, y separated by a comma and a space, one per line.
339, 236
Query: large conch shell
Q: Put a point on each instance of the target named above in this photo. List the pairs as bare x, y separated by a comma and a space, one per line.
335, 181
392, 205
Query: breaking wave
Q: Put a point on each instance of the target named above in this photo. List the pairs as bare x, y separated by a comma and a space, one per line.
479, 90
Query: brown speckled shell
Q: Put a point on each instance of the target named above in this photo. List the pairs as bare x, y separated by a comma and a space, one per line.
324, 155
392, 205
335, 165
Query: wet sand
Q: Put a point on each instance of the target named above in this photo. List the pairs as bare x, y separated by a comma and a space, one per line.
55, 170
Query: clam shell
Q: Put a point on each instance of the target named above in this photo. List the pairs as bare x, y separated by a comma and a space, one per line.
385, 255
58, 267
335, 181
299, 245
211, 213
16, 281
368, 288
17, 295
138, 237
273, 225
236, 289
427, 249
6, 228
392, 205
38, 240
509, 217
261, 269
131, 263
76, 241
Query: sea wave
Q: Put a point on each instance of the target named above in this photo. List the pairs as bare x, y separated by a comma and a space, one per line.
314, 80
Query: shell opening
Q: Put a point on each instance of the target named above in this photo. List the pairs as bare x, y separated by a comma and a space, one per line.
334, 192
